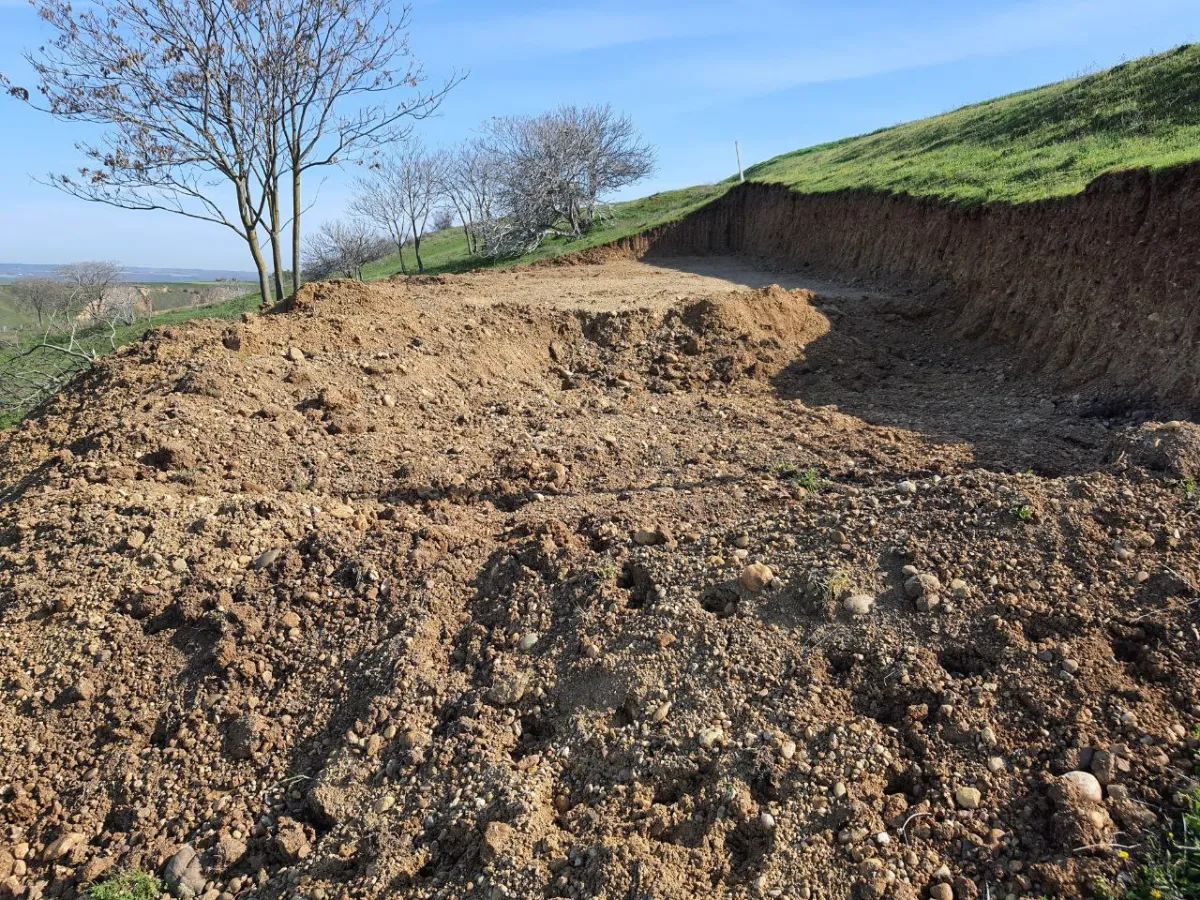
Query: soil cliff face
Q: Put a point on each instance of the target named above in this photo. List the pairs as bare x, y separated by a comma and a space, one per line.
1102, 288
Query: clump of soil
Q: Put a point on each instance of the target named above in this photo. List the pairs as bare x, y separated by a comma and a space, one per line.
605, 580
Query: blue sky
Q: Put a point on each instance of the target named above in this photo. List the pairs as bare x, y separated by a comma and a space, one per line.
694, 76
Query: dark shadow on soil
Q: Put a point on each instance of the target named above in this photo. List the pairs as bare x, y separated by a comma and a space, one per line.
891, 361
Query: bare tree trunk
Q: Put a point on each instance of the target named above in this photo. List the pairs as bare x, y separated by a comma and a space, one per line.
417, 251
260, 264
400, 250
296, 282
276, 238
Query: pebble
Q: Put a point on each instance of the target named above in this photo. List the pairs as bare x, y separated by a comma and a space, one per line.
968, 798
755, 577
858, 604
907, 487
267, 558
787, 749
941, 892
295, 354
710, 737
384, 803
1089, 787
135, 540
528, 641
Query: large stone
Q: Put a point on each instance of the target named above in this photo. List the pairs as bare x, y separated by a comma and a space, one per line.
755, 577
182, 874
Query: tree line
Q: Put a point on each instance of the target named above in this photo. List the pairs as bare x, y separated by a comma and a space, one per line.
522, 180
218, 110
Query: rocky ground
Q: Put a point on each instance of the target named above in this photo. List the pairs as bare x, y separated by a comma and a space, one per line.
602, 580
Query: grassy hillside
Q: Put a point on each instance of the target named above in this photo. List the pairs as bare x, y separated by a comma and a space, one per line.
1041, 143
446, 251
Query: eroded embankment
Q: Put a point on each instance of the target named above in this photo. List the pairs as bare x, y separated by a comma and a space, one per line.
1102, 289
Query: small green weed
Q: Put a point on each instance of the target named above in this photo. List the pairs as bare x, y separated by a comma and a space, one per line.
809, 479
1023, 512
1173, 872
128, 885
1188, 486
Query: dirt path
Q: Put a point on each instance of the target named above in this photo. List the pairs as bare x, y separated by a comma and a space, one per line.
599, 580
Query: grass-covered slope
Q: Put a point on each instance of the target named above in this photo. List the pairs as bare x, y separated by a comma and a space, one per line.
446, 251
1047, 142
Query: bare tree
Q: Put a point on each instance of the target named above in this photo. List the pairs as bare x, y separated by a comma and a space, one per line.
45, 298
554, 171
208, 104
340, 64
443, 218
342, 247
472, 172
419, 176
173, 82
381, 200
93, 285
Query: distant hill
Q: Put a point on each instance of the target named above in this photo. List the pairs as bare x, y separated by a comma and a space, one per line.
141, 274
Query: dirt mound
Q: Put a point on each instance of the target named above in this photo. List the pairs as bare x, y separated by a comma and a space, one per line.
585, 582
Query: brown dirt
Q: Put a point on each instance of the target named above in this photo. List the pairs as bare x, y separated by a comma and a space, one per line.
1100, 291
438, 588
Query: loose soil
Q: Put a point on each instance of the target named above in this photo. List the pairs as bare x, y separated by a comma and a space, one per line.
596, 580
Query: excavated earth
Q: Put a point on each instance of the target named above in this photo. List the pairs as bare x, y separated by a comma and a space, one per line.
606, 580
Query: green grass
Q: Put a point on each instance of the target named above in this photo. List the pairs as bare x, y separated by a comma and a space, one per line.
1173, 870
130, 885
446, 251
1042, 143
98, 340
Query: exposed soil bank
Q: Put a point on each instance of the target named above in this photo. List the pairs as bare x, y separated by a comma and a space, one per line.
1102, 288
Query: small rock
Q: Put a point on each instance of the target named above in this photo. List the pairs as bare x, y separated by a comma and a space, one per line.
1087, 785
968, 798
63, 845
906, 487
82, 691
922, 585
648, 537
507, 689
661, 712
858, 604
710, 737
1104, 767
787, 749
528, 641
135, 540
267, 559
292, 842
755, 577
941, 892
295, 354
384, 803
182, 873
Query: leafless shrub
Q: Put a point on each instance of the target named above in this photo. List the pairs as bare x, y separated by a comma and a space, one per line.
342, 248
93, 285
554, 172
45, 298
405, 186
470, 182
